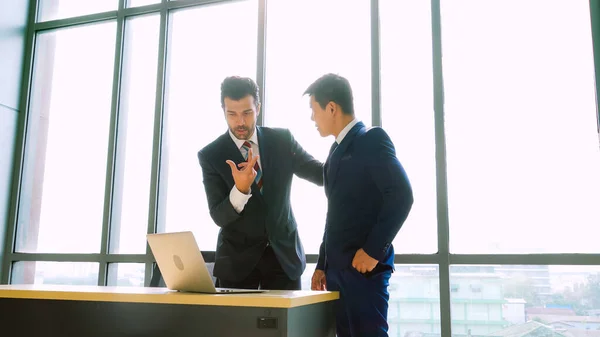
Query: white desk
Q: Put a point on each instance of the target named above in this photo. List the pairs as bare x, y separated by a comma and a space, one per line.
35, 310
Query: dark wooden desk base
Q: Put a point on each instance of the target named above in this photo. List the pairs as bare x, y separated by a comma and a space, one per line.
63, 318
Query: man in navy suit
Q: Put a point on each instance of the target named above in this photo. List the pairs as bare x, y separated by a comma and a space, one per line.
247, 174
369, 198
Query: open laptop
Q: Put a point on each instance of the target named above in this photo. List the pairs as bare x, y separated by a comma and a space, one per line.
182, 265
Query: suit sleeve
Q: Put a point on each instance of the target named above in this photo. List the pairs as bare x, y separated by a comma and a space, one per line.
321, 259
385, 170
217, 194
305, 165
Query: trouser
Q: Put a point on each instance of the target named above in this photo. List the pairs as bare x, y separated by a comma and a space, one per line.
362, 308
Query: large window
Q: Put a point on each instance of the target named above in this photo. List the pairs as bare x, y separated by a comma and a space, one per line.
60, 9
491, 106
204, 48
499, 300
67, 144
298, 51
407, 113
136, 126
523, 156
73, 273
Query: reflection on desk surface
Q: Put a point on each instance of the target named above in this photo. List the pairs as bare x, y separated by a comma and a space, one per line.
271, 299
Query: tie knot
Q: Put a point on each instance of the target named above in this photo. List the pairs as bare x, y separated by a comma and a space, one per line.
247, 145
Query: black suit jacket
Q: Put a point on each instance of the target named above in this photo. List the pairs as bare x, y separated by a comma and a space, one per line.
267, 217
369, 197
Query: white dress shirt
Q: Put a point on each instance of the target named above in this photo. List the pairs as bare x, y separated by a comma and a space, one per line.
238, 199
344, 131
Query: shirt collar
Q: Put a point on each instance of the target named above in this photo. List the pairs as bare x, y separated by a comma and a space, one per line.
345, 131
240, 142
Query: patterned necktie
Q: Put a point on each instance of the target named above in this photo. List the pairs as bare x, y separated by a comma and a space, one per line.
258, 180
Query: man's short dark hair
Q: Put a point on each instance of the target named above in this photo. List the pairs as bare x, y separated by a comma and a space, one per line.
237, 87
332, 88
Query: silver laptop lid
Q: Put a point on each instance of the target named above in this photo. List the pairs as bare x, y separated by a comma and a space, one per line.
180, 261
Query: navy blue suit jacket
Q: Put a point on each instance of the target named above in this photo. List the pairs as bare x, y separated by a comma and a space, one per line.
369, 198
267, 217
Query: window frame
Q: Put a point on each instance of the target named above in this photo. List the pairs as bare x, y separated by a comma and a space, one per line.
443, 258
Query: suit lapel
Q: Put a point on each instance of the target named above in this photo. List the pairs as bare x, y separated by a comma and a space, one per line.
338, 153
230, 152
326, 168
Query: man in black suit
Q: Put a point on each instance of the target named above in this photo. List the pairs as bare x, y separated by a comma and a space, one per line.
368, 199
247, 174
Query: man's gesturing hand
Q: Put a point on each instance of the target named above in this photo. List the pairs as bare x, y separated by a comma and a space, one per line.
244, 177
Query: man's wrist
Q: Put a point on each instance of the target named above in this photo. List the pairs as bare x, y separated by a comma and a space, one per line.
243, 190
238, 199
